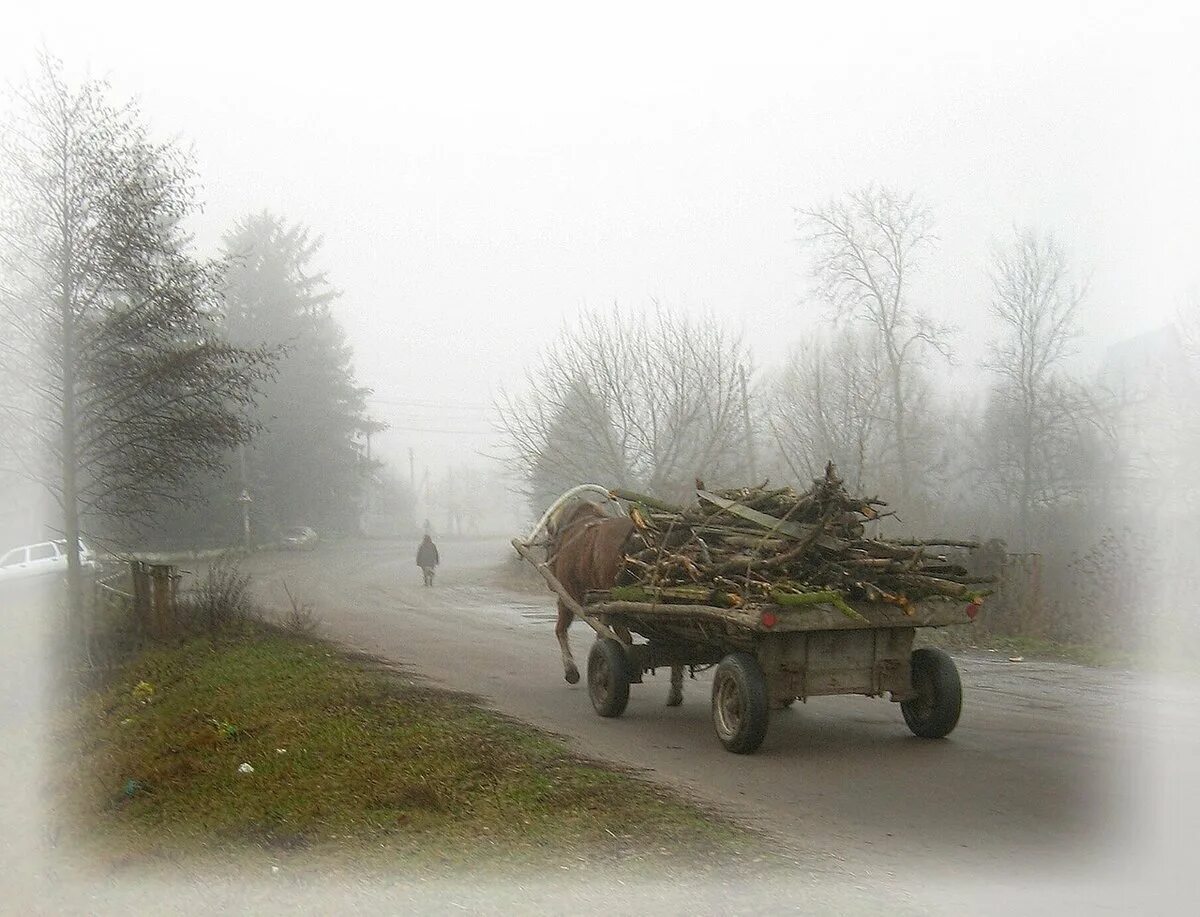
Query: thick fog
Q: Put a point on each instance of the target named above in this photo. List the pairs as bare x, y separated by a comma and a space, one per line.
479, 174
536, 226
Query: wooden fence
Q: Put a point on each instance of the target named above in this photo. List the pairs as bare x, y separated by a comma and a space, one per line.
153, 600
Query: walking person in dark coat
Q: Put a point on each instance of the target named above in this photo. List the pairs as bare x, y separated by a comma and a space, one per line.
427, 559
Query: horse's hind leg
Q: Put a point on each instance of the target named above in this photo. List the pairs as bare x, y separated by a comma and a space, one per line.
565, 617
675, 697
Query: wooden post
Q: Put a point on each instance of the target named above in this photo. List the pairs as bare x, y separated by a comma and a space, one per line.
164, 611
141, 597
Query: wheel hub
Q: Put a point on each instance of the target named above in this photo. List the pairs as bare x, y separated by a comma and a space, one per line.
728, 707
922, 701
599, 680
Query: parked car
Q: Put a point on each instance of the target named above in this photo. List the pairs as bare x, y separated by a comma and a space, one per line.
300, 538
41, 559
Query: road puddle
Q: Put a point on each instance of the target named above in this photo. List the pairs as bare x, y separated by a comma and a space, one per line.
536, 614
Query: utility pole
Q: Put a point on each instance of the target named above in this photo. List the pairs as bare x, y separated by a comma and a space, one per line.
244, 499
412, 472
749, 431
370, 477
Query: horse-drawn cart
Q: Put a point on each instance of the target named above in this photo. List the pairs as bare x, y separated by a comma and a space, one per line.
767, 656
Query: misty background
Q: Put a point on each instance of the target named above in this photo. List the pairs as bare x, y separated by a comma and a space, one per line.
479, 174
480, 184
436, 264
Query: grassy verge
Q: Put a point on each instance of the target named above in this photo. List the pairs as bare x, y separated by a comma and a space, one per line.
348, 758
967, 637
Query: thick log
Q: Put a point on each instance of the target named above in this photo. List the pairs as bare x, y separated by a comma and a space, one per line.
808, 599
891, 549
801, 531
690, 594
937, 542
938, 586
735, 616
811, 618
632, 496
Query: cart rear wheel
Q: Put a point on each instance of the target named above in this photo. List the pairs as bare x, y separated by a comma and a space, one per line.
933, 712
739, 703
608, 676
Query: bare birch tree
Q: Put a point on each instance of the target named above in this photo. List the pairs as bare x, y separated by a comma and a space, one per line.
647, 400
867, 248
828, 404
1037, 419
117, 384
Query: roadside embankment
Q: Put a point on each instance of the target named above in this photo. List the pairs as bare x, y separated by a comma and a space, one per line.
279, 744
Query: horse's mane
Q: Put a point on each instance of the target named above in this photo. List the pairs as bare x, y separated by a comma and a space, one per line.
574, 512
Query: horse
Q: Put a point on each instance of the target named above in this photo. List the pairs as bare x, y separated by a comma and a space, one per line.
586, 550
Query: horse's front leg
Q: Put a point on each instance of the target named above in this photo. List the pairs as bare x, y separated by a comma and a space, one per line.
565, 617
675, 697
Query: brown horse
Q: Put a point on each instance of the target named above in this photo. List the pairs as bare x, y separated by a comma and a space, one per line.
586, 551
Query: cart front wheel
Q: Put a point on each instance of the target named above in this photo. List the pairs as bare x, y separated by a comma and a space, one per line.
739, 703
933, 712
608, 677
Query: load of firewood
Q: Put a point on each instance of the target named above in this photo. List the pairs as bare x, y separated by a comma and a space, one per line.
760, 545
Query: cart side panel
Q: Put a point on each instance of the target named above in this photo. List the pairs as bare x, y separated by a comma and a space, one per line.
816, 663
866, 616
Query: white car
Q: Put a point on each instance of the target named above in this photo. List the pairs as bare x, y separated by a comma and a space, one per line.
300, 538
41, 559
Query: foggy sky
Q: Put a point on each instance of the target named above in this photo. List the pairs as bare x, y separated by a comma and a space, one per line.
480, 173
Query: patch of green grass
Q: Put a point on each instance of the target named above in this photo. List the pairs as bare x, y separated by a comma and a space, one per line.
345, 754
967, 636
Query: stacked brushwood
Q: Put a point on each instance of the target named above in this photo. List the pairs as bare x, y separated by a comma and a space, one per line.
761, 545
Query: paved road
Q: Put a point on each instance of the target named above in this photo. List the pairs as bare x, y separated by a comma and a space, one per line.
1040, 794
23, 737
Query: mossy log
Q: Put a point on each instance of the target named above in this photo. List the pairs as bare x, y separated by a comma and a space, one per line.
632, 496
825, 597
699, 595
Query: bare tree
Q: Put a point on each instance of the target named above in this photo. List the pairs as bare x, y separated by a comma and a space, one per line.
828, 404
1038, 420
117, 385
867, 247
648, 400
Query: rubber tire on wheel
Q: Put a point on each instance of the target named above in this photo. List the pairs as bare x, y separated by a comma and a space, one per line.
608, 676
933, 713
740, 703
